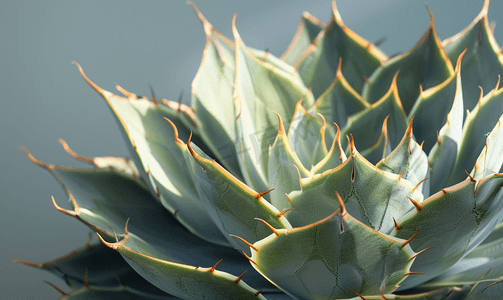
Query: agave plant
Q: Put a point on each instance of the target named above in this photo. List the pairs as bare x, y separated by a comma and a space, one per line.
332, 172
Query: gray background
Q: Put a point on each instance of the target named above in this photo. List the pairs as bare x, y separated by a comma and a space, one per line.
136, 44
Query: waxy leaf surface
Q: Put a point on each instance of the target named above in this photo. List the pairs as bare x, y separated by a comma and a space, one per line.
332, 257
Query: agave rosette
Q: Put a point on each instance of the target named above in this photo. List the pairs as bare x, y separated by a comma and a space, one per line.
335, 171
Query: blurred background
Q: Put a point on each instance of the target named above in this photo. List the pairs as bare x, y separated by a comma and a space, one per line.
136, 44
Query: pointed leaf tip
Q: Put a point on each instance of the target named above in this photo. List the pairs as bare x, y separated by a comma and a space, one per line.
73, 154
341, 204
281, 129
56, 288
192, 152
92, 84
65, 211
118, 243
458, 62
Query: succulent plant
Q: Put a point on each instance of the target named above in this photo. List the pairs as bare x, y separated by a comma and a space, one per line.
335, 171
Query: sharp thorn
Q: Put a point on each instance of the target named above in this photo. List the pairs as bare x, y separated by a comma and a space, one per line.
361, 297
260, 195
56, 288
419, 183
237, 280
284, 212
212, 269
416, 204
409, 240
397, 227
251, 260
244, 241
268, 225
422, 251
414, 273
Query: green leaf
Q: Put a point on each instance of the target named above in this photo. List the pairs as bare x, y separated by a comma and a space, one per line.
233, 205
276, 63
371, 195
432, 107
96, 267
121, 293
368, 123
449, 293
307, 136
442, 156
212, 96
340, 100
487, 290
482, 269
483, 62
426, 65
453, 222
307, 30
153, 143
104, 200
495, 234
334, 158
285, 170
330, 258
490, 159
260, 89
408, 160
318, 64
484, 263
122, 165
478, 124
381, 148
180, 280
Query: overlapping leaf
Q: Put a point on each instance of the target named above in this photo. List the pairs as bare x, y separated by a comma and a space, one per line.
477, 128
336, 257
356, 180
212, 97
306, 136
442, 156
409, 161
334, 158
307, 30
285, 169
366, 125
361, 250
340, 100
318, 64
481, 269
260, 89
104, 200
478, 207
184, 281
151, 141
432, 107
381, 148
425, 65
96, 293
97, 270
233, 205
483, 62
